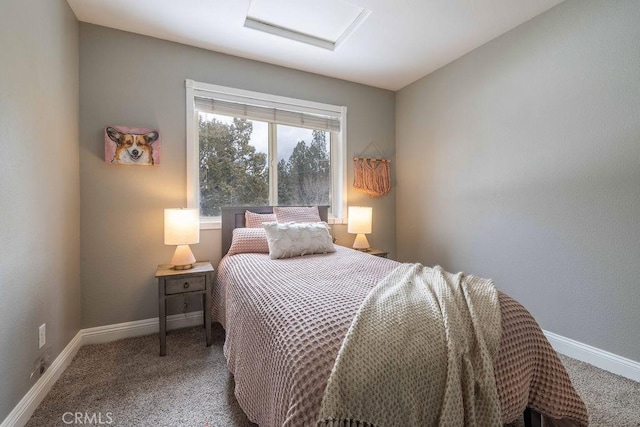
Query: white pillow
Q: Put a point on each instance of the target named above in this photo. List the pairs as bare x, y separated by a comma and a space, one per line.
290, 239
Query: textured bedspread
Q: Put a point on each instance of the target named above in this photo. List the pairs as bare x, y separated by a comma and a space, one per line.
285, 321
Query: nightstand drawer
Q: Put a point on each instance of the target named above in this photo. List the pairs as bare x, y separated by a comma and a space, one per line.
190, 284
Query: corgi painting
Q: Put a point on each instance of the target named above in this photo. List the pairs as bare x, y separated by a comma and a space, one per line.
131, 146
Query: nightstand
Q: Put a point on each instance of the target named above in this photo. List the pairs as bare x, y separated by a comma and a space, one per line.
377, 252
179, 283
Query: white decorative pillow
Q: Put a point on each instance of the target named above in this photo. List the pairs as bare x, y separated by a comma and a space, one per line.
297, 239
255, 220
296, 214
249, 240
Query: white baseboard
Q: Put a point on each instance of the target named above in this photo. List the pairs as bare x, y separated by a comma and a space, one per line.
24, 409
108, 333
101, 334
602, 359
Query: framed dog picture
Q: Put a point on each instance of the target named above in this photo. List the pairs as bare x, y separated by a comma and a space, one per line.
131, 146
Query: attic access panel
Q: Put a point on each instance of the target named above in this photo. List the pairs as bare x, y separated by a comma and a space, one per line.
324, 24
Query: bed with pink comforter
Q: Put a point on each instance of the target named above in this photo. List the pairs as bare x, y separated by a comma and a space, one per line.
285, 321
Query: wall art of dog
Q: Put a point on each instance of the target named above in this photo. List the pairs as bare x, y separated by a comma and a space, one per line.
131, 146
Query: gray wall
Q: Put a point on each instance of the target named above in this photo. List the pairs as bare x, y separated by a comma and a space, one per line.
132, 80
521, 162
39, 187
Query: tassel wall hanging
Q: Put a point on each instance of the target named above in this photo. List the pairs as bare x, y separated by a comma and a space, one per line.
372, 176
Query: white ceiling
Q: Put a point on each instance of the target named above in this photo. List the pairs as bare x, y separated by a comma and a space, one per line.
399, 42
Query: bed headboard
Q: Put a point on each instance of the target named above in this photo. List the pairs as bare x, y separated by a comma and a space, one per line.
233, 217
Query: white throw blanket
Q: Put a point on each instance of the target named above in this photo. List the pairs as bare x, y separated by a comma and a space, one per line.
420, 352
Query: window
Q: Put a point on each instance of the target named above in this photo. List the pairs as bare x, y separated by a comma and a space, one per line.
248, 148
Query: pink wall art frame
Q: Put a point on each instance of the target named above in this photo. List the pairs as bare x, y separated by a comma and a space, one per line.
131, 146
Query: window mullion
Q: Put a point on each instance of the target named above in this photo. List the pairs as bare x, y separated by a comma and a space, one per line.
273, 164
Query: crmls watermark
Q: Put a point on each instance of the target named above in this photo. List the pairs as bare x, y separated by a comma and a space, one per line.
87, 418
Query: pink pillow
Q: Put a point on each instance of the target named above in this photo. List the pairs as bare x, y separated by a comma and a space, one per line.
255, 220
249, 240
297, 213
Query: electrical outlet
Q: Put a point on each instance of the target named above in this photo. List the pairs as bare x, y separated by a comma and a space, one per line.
42, 335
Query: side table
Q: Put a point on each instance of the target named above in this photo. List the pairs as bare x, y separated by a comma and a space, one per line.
178, 283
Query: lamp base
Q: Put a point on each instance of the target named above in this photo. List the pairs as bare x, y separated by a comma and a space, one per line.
361, 243
183, 258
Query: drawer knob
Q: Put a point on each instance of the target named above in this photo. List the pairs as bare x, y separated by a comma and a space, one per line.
186, 285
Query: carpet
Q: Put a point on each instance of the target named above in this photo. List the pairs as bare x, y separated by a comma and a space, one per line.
126, 383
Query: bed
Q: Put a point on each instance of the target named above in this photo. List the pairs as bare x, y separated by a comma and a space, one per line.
285, 321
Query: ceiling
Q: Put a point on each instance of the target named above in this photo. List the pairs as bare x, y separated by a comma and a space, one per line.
393, 44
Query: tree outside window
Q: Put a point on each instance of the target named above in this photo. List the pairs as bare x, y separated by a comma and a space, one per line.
234, 164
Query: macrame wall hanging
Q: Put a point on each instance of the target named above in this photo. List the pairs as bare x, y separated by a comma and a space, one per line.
372, 175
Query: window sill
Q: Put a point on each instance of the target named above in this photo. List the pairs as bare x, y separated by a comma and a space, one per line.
216, 224
210, 224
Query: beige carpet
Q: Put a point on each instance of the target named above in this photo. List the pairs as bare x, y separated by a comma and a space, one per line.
127, 383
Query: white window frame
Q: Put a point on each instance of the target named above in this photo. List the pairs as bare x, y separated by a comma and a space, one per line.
338, 211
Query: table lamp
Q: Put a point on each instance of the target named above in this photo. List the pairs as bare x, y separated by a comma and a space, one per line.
182, 228
359, 223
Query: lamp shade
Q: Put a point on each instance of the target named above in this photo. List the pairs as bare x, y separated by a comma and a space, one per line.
181, 226
359, 219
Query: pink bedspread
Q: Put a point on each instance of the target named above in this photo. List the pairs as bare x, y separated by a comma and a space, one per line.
286, 319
